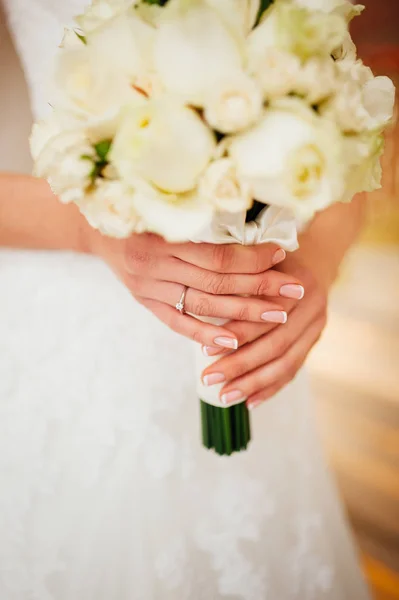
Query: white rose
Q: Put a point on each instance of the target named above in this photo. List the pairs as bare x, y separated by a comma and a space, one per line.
363, 107
194, 49
293, 29
233, 104
363, 154
221, 187
276, 71
341, 7
176, 217
292, 158
100, 11
86, 77
164, 143
318, 79
347, 51
240, 15
109, 207
67, 161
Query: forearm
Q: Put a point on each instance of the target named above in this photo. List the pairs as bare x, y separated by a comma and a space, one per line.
32, 218
324, 244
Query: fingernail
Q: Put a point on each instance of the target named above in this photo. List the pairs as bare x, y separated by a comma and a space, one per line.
254, 405
275, 316
226, 342
233, 396
210, 351
279, 256
214, 378
292, 290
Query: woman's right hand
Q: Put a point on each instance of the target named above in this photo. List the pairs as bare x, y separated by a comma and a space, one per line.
156, 273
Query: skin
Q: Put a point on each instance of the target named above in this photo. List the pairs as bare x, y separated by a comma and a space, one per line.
155, 272
269, 354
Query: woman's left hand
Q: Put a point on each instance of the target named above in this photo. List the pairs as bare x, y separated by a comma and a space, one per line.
270, 356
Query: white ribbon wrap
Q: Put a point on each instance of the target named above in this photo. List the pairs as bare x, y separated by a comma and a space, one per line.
273, 224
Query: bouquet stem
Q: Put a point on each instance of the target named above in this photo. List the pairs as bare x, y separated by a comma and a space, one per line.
225, 430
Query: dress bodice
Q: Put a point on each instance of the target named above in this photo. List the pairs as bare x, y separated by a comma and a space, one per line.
37, 27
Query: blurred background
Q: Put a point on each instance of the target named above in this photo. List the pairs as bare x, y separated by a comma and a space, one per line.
355, 367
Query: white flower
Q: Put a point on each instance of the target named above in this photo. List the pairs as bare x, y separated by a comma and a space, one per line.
66, 161
109, 207
100, 11
194, 49
318, 79
98, 78
357, 108
221, 187
292, 158
233, 104
176, 217
297, 30
276, 71
341, 7
363, 154
240, 15
164, 143
347, 52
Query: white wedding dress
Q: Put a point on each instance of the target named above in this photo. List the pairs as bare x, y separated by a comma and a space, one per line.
105, 490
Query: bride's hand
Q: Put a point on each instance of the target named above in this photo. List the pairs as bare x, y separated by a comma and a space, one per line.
156, 273
271, 356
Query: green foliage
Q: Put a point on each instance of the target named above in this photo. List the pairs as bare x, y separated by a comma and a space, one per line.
264, 5
102, 149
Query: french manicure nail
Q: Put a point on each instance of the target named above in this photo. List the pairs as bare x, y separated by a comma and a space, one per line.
210, 351
292, 290
214, 378
233, 396
279, 256
254, 405
226, 342
275, 316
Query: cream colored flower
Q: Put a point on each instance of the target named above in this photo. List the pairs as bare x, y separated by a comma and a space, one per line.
305, 33
195, 49
101, 11
358, 108
67, 162
318, 79
176, 217
363, 153
342, 7
240, 15
112, 69
233, 104
163, 143
292, 158
221, 187
108, 206
276, 71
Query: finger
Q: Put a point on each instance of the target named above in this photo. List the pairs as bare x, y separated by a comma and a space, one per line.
203, 333
270, 283
263, 396
247, 332
230, 258
271, 345
205, 305
278, 372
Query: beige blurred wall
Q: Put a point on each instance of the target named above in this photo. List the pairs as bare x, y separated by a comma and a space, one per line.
15, 117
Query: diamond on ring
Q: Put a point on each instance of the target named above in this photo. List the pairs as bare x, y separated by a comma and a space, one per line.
180, 304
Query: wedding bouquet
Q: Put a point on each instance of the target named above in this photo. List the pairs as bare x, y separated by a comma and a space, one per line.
224, 121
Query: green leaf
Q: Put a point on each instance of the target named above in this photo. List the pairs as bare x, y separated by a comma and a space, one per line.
102, 149
81, 37
159, 2
264, 5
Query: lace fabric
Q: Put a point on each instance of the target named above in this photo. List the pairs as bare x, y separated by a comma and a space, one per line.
105, 490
